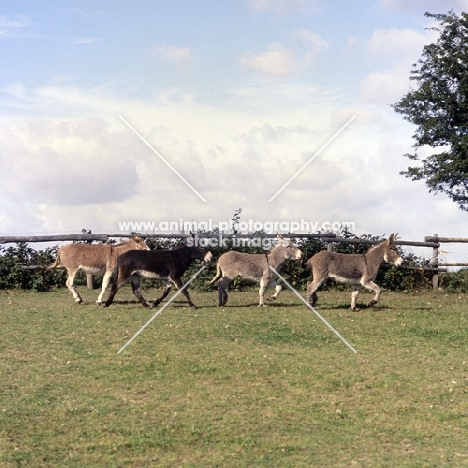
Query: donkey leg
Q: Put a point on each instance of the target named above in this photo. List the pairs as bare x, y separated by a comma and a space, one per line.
135, 280
115, 287
373, 287
71, 287
178, 283
354, 296
223, 284
278, 289
166, 290
311, 294
105, 284
263, 286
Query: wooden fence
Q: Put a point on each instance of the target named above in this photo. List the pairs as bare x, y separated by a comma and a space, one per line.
429, 242
435, 256
89, 237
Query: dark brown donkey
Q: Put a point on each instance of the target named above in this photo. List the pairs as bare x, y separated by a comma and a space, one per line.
156, 264
355, 269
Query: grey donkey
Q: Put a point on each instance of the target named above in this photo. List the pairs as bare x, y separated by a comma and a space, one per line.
255, 267
357, 270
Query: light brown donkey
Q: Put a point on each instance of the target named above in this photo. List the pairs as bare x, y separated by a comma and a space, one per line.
100, 259
355, 269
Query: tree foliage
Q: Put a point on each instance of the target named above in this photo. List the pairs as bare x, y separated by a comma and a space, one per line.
438, 106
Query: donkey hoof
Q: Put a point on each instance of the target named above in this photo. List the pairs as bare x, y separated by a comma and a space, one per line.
312, 302
355, 309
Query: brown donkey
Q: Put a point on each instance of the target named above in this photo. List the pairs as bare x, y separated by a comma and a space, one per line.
354, 269
99, 259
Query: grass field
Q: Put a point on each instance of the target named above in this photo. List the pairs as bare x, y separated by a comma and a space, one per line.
240, 386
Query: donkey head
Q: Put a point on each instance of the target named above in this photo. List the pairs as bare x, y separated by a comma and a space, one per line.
208, 257
391, 254
201, 253
290, 251
139, 243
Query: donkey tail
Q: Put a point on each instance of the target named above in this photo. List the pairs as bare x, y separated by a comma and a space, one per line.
219, 274
56, 264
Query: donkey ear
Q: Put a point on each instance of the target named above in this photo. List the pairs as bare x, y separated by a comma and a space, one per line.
279, 236
392, 238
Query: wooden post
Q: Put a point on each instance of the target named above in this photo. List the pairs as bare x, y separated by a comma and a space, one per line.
89, 277
89, 281
435, 264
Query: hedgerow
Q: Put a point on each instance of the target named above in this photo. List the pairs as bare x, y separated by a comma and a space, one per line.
16, 263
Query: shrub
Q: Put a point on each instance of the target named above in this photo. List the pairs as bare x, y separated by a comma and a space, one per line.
13, 273
455, 281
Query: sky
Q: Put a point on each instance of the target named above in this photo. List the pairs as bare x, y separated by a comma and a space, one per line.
158, 111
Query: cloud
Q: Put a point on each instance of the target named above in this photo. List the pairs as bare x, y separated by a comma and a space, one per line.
398, 49
15, 22
386, 87
284, 6
399, 44
276, 60
179, 55
67, 163
433, 6
314, 44
62, 174
280, 61
87, 164
84, 40
14, 26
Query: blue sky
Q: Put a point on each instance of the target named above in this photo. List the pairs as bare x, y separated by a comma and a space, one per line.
131, 47
116, 43
236, 95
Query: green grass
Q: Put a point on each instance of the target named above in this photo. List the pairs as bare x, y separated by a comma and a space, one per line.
240, 386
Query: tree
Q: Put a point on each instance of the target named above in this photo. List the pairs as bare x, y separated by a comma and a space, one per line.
438, 106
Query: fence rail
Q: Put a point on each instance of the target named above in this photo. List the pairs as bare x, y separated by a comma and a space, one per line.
54, 238
452, 240
341, 240
435, 256
105, 237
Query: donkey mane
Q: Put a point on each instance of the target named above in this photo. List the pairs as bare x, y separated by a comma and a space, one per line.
373, 249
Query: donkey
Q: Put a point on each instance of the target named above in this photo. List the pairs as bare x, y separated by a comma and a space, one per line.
156, 264
255, 267
355, 269
93, 259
